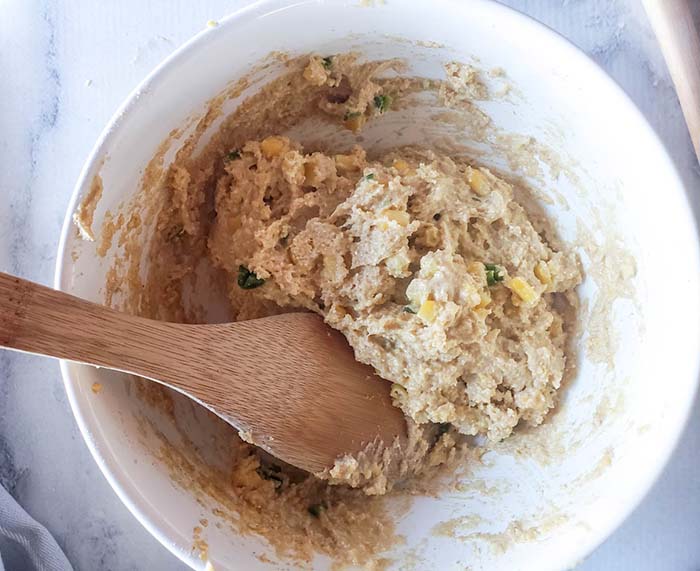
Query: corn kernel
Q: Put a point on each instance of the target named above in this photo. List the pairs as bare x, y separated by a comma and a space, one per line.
272, 146
428, 311
355, 122
523, 289
345, 162
476, 268
542, 272
402, 166
478, 182
400, 217
485, 299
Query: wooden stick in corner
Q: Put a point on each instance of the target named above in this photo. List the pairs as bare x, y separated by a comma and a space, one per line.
673, 24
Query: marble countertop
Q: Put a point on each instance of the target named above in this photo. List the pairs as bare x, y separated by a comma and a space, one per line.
66, 66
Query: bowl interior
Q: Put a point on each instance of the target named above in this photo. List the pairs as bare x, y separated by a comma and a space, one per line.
604, 177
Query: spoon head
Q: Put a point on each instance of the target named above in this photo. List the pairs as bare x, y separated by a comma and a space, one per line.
291, 385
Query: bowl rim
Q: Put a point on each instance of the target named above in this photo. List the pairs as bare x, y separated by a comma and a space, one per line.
155, 524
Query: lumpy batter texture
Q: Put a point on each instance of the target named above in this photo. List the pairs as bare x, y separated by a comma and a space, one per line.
438, 277
427, 265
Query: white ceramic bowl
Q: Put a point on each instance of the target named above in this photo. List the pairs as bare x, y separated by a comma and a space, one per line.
617, 426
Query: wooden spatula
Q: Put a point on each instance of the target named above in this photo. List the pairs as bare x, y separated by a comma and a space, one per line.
673, 25
288, 383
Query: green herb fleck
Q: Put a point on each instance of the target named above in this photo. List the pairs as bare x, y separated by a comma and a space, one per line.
233, 155
351, 114
369, 176
493, 274
316, 509
248, 279
382, 102
409, 309
442, 428
327, 62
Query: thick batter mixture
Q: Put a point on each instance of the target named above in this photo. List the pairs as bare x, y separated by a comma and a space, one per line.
437, 276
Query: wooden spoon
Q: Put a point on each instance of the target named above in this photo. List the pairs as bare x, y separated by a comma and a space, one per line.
673, 25
288, 383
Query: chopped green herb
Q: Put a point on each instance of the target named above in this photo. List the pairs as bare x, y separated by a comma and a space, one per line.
233, 155
316, 509
442, 428
382, 102
327, 62
351, 114
409, 309
437, 216
248, 279
493, 274
369, 176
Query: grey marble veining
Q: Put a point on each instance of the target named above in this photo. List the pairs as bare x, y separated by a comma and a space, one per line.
66, 66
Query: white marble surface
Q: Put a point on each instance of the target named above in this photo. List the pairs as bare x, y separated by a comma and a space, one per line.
65, 67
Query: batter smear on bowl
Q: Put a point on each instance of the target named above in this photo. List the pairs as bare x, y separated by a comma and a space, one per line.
438, 277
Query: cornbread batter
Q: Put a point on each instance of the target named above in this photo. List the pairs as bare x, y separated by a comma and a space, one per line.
428, 265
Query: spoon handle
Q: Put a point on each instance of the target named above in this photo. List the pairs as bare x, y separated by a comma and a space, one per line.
40, 320
672, 21
287, 383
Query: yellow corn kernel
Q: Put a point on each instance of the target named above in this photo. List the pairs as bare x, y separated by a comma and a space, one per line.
542, 272
523, 290
432, 237
476, 268
355, 122
402, 166
428, 311
345, 162
478, 182
400, 217
485, 299
272, 146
